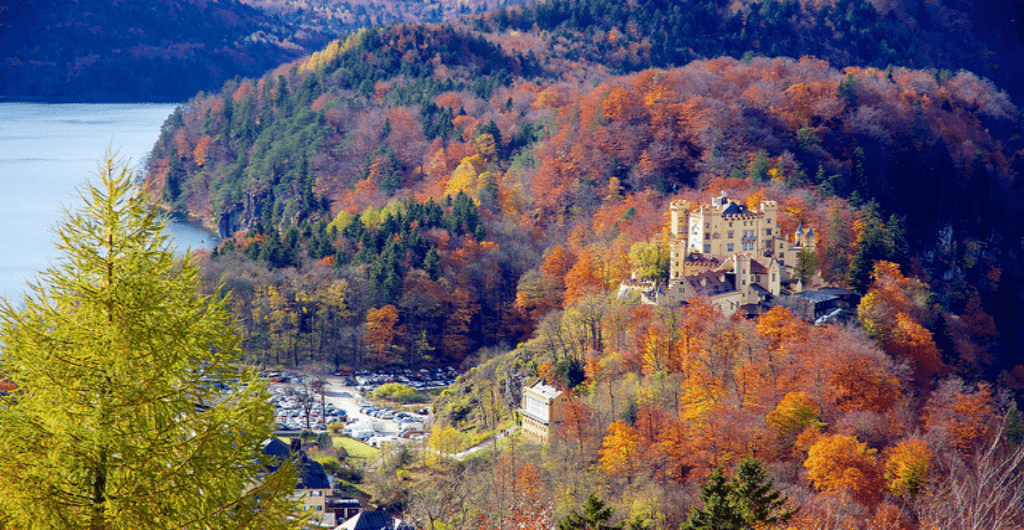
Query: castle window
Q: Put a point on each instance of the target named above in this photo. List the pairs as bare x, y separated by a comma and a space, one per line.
767, 231
729, 247
707, 248
730, 234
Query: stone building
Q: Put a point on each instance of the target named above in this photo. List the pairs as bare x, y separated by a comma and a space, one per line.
542, 410
736, 257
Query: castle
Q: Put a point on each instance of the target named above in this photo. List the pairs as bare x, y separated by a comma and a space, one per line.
736, 257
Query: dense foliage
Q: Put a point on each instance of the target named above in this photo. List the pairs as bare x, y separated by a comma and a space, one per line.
855, 431
429, 150
343, 16
138, 50
474, 192
124, 406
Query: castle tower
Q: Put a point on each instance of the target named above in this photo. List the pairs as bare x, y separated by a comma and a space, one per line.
680, 212
680, 222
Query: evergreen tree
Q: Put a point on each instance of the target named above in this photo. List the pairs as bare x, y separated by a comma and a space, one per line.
595, 516
112, 359
760, 505
432, 264
719, 513
742, 502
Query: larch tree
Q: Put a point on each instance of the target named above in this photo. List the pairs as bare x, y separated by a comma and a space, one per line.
117, 417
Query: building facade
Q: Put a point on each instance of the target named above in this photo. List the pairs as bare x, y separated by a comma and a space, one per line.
542, 410
734, 256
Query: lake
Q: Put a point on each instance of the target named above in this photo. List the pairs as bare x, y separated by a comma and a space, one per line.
47, 153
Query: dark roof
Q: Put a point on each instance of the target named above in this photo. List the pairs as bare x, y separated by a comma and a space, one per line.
369, 520
837, 291
733, 209
750, 310
312, 476
710, 283
760, 290
277, 451
816, 296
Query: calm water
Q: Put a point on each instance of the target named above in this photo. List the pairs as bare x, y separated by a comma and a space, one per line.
47, 153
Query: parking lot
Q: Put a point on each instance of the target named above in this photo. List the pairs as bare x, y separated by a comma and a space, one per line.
344, 402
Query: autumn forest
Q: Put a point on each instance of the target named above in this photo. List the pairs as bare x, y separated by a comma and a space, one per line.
474, 192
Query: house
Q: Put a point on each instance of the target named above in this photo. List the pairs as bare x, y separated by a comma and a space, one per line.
313, 485
542, 410
824, 305
372, 520
342, 507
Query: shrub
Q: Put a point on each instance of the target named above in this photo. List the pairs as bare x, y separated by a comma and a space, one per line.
397, 392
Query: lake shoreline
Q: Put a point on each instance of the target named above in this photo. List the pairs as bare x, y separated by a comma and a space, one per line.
48, 151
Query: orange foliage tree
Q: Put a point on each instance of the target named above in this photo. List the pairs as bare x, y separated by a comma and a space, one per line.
962, 414
619, 451
382, 330
841, 464
886, 312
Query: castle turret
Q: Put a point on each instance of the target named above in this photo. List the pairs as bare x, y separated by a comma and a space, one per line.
680, 212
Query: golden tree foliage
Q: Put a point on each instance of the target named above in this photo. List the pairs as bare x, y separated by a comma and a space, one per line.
908, 467
795, 413
465, 177
620, 451
840, 463
382, 329
202, 151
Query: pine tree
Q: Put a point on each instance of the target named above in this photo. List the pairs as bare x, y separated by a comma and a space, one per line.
115, 420
595, 516
719, 512
742, 502
760, 505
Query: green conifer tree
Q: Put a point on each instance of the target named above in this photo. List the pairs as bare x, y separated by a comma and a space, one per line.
595, 516
114, 420
745, 501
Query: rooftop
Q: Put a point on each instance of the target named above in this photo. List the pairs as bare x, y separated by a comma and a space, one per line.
544, 389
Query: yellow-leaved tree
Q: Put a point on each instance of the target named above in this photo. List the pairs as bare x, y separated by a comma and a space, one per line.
130, 408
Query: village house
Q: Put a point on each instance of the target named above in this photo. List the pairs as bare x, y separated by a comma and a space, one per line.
313, 486
542, 411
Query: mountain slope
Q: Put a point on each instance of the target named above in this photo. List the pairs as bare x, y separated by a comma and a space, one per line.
165, 50
562, 153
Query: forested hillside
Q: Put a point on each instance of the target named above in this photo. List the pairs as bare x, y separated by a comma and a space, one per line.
474, 192
136, 50
344, 16
391, 119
